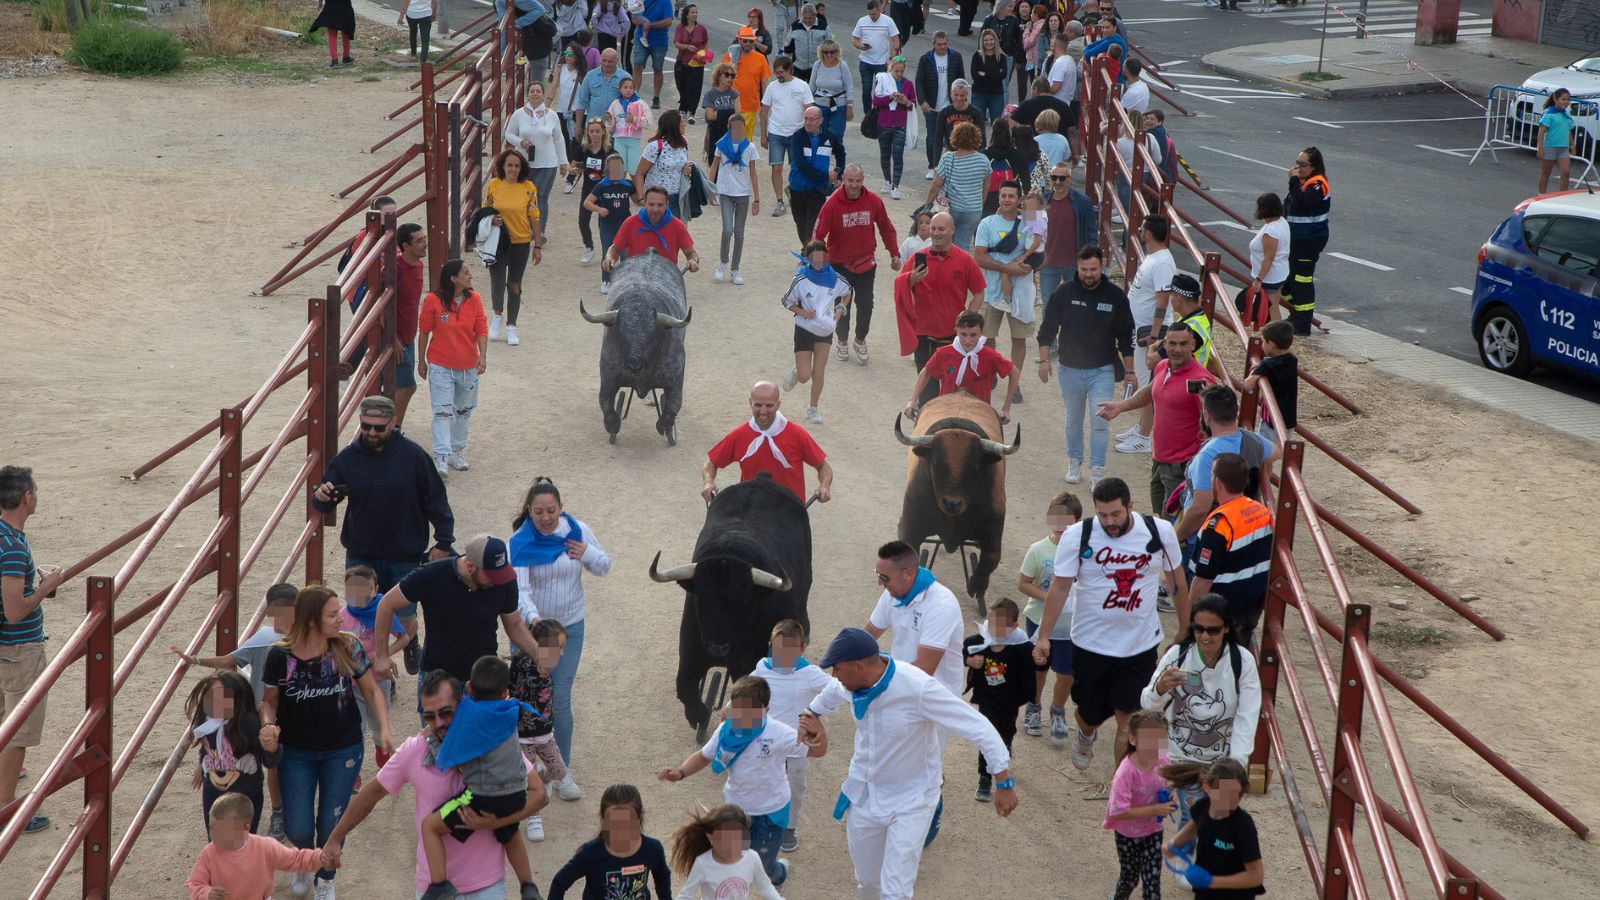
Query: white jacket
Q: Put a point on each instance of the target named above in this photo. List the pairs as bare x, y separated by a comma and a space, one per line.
487, 240
543, 129
1214, 720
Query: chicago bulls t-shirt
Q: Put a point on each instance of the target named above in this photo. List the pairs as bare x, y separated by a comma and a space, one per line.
1115, 614
798, 448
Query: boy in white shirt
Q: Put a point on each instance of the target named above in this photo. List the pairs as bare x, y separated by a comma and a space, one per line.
794, 682
753, 748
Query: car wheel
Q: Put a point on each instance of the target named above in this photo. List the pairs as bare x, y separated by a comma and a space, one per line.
1503, 342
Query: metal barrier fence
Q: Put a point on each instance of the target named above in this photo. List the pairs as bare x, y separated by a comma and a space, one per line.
1352, 683
1511, 122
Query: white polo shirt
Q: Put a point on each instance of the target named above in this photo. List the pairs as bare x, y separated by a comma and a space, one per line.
931, 619
758, 781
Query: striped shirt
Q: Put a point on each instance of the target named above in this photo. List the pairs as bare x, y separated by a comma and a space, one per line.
1235, 552
16, 561
965, 177
555, 590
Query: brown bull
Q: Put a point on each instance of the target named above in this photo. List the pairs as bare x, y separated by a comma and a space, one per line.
956, 480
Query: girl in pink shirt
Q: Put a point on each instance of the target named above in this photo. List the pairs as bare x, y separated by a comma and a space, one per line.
238, 865
1139, 801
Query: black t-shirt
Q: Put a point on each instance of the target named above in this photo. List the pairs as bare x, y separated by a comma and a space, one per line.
1281, 374
607, 877
1028, 110
950, 117
460, 624
1223, 847
1006, 680
616, 198
989, 73
316, 702
594, 166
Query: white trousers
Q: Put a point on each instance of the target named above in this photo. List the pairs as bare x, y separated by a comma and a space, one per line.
797, 767
886, 849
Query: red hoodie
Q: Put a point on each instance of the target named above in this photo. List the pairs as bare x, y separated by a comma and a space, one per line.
846, 226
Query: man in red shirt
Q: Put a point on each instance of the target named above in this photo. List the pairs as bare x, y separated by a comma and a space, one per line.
966, 365
654, 228
1176, 384
845, 224
769, 443
940, 283
413, 258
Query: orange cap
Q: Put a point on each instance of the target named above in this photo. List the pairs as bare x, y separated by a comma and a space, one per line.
747, 33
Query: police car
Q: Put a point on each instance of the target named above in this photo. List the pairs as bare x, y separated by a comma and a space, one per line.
1536, 300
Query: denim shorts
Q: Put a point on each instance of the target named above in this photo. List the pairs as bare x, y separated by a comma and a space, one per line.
405, 374
1060, 653
777, 149
656, 55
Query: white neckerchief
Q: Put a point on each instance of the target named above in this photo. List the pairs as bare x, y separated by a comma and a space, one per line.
968, 359
210, 726
1014, 636
778, 424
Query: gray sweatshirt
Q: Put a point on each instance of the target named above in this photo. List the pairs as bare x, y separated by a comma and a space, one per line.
832, 87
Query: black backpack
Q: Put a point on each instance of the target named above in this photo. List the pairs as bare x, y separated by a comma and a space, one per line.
1152, 547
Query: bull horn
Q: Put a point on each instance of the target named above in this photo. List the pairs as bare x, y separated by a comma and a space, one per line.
676, 573
1000, 449
763, 578
666, 321
606, 318
910, 440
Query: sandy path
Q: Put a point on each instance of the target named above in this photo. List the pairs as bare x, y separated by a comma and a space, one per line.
202, 183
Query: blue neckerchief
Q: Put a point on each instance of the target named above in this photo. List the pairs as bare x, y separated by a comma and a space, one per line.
666, 219
734, 155
924, 580
731, 744
368, 615
531, 547
824, 277
860, 700
609, 180
800, 662
478, 727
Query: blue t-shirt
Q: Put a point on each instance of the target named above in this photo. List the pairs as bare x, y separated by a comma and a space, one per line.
655, 11
16, 561
989, 233
1053, 146
1198, 474
1557, 125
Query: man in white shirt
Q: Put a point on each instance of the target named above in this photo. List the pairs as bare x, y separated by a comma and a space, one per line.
1063, 72
1135, 94
877, 37
1149, 297
1116, 630
783, 112
923, 615
892, 788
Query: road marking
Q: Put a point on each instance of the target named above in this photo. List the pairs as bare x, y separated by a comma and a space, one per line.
1464, 154
1363, 262
1462, 290
1158, 21
1187, 75
1315, 122
1273, 166
1226, 223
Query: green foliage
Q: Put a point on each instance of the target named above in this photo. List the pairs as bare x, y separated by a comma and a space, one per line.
52, 14
121, 47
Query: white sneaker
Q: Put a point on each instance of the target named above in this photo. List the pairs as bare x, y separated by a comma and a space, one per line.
1095, 474
440, 467
895, 193
458, 461
1074, 468
511, 336
928, 175
1128, 435
841, 350
301, 885
568, 188
861, 353
605, 287
535, 828
887, 187
1082, 748
1059, 732
813, 415
791, 379
779, 210
324, 889
588, 256
567, 789
1136, 444
735, 277
721, 273
494, 327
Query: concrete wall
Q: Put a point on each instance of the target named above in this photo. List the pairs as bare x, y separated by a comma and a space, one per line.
1517, 19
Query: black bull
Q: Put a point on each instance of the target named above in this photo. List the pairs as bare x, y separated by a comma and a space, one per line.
751, 569
956, 480
643, 345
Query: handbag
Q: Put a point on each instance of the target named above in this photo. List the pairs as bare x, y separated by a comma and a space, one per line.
869, 124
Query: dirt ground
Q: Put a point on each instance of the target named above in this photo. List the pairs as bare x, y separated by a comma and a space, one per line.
143, 324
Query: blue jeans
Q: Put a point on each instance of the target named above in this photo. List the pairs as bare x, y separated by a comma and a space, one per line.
930, 123
320, 780
993, 105
765, 836
454, 395
833, 123
1085, 389
868, 70
892, 154
1186, 797
1053, 277
561, 697
966, 226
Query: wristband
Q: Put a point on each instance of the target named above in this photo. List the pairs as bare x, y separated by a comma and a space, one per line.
1006, 785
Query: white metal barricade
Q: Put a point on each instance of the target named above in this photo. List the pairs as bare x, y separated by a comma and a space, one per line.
1511, 122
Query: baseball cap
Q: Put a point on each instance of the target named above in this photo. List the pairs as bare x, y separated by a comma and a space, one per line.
1185, 284
379, 404
489, 554
849, 645
747, 33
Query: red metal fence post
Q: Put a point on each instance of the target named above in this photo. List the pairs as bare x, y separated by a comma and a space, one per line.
1279, 594
430, 172
1342, 802
390, 284
439, 207
97, 692
1250, 404
228, 509
318, 420
1208, 289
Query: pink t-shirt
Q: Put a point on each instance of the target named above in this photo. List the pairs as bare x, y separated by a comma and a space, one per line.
247, 873
368, 635
1131, 787
1176, 437
471, 866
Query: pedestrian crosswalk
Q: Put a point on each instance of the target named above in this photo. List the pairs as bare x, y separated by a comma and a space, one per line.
1384, 17
1218, 88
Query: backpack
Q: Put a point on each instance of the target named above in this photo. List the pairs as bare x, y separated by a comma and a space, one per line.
1152, 547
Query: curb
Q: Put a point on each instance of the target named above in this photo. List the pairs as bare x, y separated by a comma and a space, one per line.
1328, 93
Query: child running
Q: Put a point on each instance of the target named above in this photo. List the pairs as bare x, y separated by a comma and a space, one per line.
1000, 675
1227, 861
612, 200
1038, 570
533, 682
710, 851
751, 747
816, 296
234, 756
966, 365
360, 619
482, 745
622, 860
794, 682
238, 865
1140, 800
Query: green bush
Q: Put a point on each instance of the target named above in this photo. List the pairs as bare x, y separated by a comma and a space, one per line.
120, 47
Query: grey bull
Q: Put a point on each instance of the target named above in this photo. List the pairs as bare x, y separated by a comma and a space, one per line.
642, 350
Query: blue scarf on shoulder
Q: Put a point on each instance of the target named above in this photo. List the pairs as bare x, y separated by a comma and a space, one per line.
923, 581
531, 547
666, 219
824, 277
478, 727
734, 155
860, 700
731, 744
800, 662
368, 615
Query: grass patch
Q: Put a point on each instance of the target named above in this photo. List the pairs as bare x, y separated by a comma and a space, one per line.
1398, 634
1319, 76
120, 47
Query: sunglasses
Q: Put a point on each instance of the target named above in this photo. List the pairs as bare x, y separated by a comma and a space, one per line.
1208, 629
1060, 178
898, 59
374, 426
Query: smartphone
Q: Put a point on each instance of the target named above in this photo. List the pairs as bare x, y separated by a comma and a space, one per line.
1195, 385
1191, 678
338, 492
919, 259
